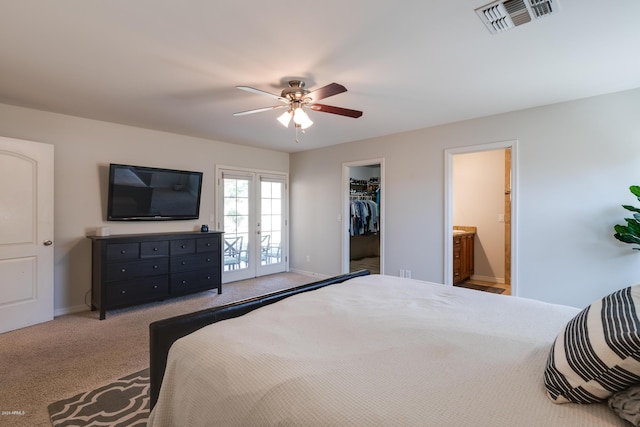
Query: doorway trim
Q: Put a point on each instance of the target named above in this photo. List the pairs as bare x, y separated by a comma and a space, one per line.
448, 206
344, 219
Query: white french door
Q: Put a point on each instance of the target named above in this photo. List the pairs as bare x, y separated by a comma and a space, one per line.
252, 214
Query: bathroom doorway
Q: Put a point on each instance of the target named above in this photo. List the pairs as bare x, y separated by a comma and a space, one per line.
363, 216
480, 201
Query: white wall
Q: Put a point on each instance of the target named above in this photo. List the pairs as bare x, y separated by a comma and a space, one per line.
83, 150
478, 200
576, 162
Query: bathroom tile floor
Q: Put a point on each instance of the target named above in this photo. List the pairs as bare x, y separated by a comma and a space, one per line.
505, 286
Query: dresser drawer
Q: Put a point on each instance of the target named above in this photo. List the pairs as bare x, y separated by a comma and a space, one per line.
122, 251
194, 262
129, 270
208, 279
145, 289
209, 244
183, 246
184, 282
154, 249
193, 281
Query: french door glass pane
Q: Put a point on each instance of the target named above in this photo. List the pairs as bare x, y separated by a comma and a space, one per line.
271, 222
236, 223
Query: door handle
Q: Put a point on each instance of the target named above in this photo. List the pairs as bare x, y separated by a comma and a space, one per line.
47, 243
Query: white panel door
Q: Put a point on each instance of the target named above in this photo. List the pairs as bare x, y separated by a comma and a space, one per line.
26, 233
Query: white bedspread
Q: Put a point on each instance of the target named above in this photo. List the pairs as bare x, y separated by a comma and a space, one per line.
374, 351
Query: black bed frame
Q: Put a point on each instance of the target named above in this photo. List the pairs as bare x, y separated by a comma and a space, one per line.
163, 333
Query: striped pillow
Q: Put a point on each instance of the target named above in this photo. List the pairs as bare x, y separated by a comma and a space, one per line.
598, 352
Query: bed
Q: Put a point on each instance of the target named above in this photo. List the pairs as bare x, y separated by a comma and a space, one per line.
364, 350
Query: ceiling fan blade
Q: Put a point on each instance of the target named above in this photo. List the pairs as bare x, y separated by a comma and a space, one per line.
259, 110
325, 92
262, 92
336, 110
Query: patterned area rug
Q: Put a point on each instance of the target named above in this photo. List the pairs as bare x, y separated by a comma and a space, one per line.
122, 403
484, 288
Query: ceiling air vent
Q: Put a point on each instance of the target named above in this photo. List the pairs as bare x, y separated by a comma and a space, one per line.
503, 15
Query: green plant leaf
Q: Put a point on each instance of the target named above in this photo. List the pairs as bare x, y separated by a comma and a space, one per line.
634, 227
627, 238
621, 229
635, 190
631, 208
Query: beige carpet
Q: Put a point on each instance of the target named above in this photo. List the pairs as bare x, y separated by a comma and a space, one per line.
77, 352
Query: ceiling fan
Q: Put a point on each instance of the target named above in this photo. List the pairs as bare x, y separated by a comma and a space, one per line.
296, 98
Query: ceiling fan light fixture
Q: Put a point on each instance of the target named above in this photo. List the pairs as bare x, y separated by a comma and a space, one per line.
300, 118
296, 97
285, 118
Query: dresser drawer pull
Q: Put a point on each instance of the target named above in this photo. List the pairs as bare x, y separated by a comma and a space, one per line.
155, 267
155, 286
184, 263
123, 292
208, 244
184, 282
123, 251
155, 249
183, 246
124, 270
208, 259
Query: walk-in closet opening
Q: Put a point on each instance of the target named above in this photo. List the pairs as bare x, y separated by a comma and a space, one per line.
363, 216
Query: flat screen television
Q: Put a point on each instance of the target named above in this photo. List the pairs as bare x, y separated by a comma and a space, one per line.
152, 194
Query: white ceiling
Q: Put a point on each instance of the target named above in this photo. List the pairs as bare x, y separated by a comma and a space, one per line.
173, 65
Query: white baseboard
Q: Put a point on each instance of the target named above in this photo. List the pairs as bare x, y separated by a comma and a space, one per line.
310, 274
69, 310
499, 280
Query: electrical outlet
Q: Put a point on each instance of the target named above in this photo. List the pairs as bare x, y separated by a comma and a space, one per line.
407, 274
308, 258
402, 272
